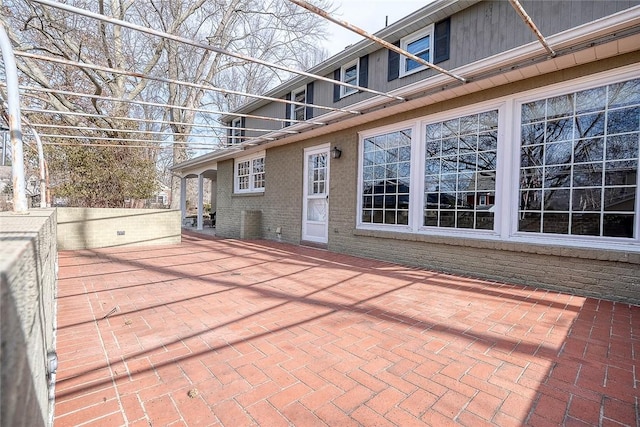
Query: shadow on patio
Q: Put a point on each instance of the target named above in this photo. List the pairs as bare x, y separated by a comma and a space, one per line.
235, 333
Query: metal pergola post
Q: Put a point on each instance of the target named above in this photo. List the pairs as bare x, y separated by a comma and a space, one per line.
13, 110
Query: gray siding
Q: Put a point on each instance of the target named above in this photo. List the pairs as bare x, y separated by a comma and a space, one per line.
480, 31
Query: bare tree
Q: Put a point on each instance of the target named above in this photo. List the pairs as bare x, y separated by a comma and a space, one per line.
275, 31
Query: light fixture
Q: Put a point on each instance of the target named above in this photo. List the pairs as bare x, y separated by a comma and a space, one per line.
336, 153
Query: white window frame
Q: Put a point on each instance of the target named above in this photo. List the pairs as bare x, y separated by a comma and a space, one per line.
406, 41
500, 160
345, 91
251, 175
412, 194
507, 174
236, 132
293, 107
599, 242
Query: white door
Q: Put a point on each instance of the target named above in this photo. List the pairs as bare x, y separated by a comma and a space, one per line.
315, 209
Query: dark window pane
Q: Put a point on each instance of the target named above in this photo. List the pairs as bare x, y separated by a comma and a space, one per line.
531, 178
389, 217
484, 220
555, 223
467, 162
590, 125
378, 201
403, 201
390, 202
621, 173
559, 153
529, 221
560, 106
533, 111
378, 216
392, 171
405, 154
621, 199
585, 224
468, 144
434, 132
431, 218
465, 219
588, 150
487, 161
626, 93
447, 219
625, 120
447, 200
432, 200
616, 225
450, 147
531, 156
488, 121
367, 216
488, 141
621, 147
450, 128
449, 164
587, 199
469, 125
559, 130
587, 175
532, 134
367, 202
591, 100
403, 217
557, 176
530, 200
432, 166
556, 200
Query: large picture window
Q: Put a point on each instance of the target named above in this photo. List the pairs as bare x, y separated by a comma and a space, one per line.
386, 178
249, 174
579, 162
556, 165
460, 172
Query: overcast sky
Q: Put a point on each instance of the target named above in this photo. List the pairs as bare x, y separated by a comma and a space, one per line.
368, 15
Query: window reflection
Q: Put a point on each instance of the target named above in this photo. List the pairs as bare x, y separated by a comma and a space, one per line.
579, 162
460, 172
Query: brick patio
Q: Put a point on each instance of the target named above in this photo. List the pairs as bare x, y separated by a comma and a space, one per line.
237, 333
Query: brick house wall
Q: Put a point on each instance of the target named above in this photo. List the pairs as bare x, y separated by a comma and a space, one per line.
603, 273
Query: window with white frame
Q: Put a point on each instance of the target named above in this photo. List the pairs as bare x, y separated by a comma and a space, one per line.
349, 74
236, 130
572, 173
249, 174
298, 111
579, 162
460, 172
419, 44
386, 178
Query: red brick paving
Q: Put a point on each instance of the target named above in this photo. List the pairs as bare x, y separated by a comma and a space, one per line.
235, 333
